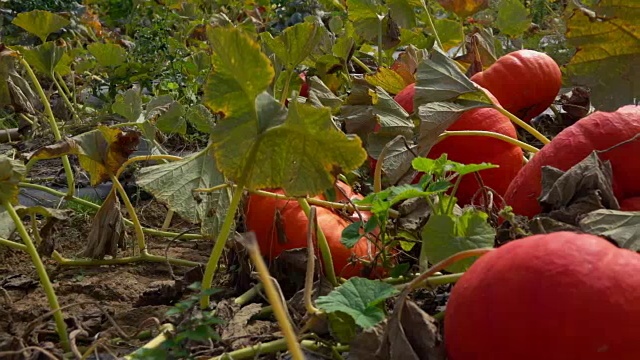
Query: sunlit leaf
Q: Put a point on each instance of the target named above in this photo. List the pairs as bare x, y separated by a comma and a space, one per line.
44, 58
296, 42
101, 152
108, 55
608, 51
128, 105
366, 16
449, 32
40, 23
387, 79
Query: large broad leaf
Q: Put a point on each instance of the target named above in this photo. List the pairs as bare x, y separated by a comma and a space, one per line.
258, 142
387, 79
360, 298
240, 72
166, 114
11, 173
366, 16
297, 42
513, 18
108, 55
608, 43
621, 226
44, 58
200, 117
101, 152
173, 184
404, 12
40, 23
446, 235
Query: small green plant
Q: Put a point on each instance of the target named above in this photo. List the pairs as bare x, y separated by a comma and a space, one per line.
194, 326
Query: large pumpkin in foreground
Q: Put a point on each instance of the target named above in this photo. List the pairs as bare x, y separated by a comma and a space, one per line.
476, 149
598, 131
525, 82
559, 296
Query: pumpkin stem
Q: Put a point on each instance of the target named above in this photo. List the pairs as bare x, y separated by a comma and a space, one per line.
505, 138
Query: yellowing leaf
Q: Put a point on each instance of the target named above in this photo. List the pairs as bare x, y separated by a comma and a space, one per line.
464, 8
387, 79
608, 51
11, 173
101, 152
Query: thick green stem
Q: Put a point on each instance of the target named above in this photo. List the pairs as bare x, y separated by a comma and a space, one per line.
61, 327
137, 227
221, 240
323, 245
505, 138
362, 65
154, 232
165, 330
380, 58
13, 244
287, 85
52, 123
119, 261
417, 282
275, 299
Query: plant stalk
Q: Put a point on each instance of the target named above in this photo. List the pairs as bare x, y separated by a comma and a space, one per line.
61, 327
505, 138
323, 245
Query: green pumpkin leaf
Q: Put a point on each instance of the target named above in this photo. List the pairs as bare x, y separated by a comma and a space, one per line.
258, 142
200, 117
366, 16
11, 173
608, 52
44, 58
445, 235
404, 12
513, 18
167, 115
387, 79
296, 42
41, 23
359, 298
449, 32
108, 55
240, 72
173, 184
128, 105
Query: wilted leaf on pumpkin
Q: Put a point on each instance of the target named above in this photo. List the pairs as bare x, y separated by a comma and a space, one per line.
446, 235
173, 183
240, 72
296, 42
107, 230
128, 105
108, 55
44, 58
387, 79
480, 51
11, 173
464, 8
40, 23
621, 226
14, 89
607, 54
440, 79
513, 18
360, 298
101, 152
411, 334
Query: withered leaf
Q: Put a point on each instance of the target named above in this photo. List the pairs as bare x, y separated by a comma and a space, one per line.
107, 230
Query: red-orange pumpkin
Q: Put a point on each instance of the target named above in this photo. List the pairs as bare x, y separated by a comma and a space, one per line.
556, 296
476, 149
598, 131
260, 214
525, 82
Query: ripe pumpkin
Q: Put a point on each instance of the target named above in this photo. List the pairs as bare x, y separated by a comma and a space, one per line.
260, 214
525, 82
476, 149
555, 296
598, 131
